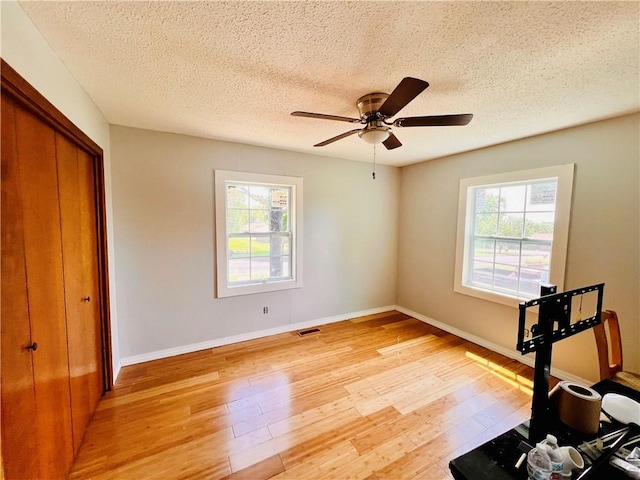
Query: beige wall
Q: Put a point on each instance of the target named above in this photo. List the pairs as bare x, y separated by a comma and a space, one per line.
24, 48
164, 234
604, 236
163, 228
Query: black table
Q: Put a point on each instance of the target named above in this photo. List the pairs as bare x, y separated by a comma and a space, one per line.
496, 459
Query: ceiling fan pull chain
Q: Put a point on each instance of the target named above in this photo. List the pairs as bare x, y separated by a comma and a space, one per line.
373, 174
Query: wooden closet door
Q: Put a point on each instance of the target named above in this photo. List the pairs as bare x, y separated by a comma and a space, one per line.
79, 247
46, 201
19, 438
36, 150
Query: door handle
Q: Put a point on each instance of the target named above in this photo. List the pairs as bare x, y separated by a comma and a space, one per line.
33, 346
85, 299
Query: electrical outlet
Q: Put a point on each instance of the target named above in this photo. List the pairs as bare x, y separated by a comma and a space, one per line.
265, 310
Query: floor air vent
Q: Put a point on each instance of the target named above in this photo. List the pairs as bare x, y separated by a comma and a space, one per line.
302, 333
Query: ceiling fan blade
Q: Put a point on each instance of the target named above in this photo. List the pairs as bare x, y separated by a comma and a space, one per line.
339, 137
408, 89
434, 120
325, 117
392, 142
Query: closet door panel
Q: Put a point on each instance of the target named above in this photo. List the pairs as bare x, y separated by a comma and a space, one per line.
79, 244
19, 441
43, 253
94, 350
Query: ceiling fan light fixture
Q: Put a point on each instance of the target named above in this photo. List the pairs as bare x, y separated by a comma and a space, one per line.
374, 135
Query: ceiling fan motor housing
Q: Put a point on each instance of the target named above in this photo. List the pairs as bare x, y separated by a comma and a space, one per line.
369, 104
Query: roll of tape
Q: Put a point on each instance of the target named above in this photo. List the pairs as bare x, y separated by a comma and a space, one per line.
577, 406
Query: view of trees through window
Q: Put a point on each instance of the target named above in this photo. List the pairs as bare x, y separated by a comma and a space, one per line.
258, 232
512, 236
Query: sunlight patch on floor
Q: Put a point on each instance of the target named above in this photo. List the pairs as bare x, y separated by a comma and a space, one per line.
521, 383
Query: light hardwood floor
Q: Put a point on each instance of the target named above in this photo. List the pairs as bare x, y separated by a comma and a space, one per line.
378, 397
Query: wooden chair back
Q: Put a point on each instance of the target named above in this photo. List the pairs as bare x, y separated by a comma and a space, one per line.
609, 364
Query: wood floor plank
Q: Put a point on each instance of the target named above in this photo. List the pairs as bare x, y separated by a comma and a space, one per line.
267, 468
377, 397
346, 432
434, 472
326, 459
365, 465
406, 344
309, 417
264, 450
161, 390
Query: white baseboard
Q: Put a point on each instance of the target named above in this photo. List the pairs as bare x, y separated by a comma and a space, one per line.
116, 371
170, 352
513, 354
218, 342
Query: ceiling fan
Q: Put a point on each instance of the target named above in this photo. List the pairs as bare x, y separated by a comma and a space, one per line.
377, 108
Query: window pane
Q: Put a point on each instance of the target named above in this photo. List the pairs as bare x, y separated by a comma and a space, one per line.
531, 278
512, 198
280, 262
238, 269
258, 197
487, 199
541, 196
259, 221
538, 257
280, 198
279, 245
280, 267
511, 224
278, 221
237, 196
482, 273
238, 247
487, 224
260, 247
533, 252
260, 268
507, 252
506, 277
237, 221
483, 249
539, 225
286, 265
530, 282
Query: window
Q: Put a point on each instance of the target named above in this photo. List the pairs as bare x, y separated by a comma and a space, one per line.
258, 232
512, 233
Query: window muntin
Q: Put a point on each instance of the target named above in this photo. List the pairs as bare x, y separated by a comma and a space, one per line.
512, 233
258, 232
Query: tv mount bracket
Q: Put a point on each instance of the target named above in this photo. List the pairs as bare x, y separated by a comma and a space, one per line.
554, 324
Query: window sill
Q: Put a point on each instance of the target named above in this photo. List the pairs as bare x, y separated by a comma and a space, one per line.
495, 297
224, 291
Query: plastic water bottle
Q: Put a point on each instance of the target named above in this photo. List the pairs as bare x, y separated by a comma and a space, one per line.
539, 463
557, 463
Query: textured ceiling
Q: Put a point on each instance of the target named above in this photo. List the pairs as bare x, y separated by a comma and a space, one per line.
236, 70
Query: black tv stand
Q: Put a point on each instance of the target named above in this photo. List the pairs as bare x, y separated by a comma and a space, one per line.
554, 324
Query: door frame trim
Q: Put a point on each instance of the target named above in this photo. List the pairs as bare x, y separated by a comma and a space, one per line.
23, 93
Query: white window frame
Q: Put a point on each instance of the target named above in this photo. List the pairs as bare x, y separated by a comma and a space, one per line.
222, 178
557, 266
